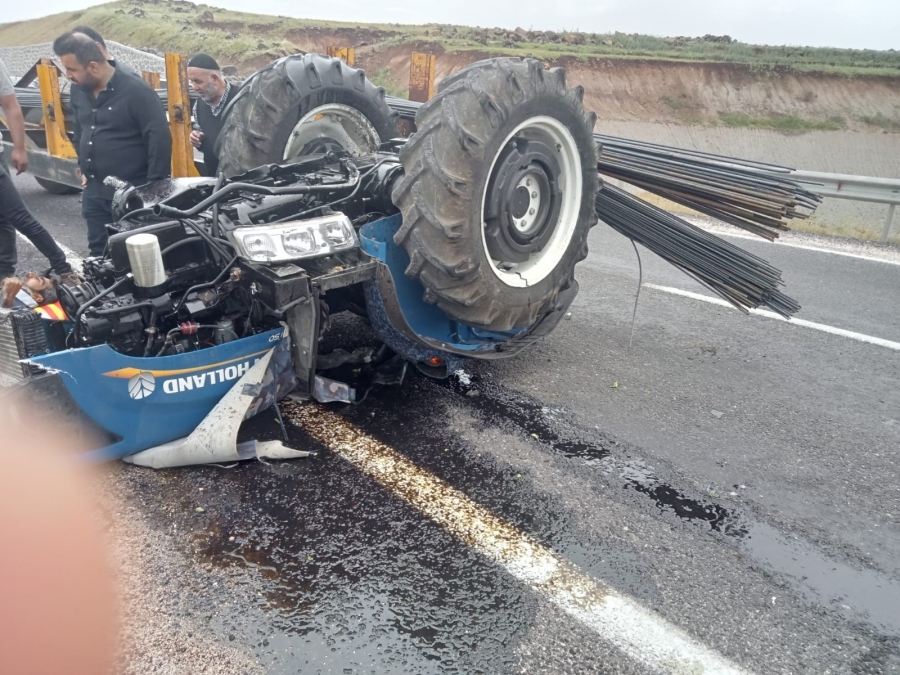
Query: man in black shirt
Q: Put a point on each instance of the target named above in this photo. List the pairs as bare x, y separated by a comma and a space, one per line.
80, 98
209, 110
123, 134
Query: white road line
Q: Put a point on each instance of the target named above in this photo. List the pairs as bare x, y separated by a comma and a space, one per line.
638, 632
74, 259
817, 249
772, 315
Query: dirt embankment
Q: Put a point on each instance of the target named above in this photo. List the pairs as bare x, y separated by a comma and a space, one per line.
661, 91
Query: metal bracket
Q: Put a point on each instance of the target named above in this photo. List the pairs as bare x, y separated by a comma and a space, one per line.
58, 143
179, 122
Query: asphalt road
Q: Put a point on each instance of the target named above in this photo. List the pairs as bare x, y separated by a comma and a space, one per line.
722, 480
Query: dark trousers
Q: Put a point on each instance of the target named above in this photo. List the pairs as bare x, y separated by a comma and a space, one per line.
14, 215
97, 212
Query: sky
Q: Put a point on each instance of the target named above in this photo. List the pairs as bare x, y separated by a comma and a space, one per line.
862, 24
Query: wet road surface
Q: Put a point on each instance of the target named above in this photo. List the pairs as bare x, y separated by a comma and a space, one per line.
735, 476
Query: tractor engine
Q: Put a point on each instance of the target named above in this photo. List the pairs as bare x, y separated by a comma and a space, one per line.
192, 264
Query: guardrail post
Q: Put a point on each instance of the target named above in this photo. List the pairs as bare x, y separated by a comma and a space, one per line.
887, 224
180, 117
421, 77
151, 78
58, 143
345, 54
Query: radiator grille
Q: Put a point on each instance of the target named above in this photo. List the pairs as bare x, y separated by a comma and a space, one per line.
21, 335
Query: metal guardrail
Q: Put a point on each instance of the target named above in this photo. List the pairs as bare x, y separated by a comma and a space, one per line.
856, 188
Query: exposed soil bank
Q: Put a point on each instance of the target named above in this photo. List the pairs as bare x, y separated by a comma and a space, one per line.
667, 91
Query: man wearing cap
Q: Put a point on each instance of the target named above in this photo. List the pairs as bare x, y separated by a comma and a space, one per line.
215, 93
14, 215
123, 134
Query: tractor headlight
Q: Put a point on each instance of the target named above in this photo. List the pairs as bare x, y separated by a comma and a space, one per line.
296, 239
299, 242
338, 233
259, 246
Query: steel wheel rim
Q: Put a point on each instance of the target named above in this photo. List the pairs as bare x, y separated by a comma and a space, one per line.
347, 127
539, 265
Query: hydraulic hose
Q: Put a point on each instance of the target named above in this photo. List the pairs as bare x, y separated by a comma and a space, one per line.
209, 284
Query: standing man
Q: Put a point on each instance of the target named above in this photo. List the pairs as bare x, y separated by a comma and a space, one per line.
80, 98
14, 215
215, 93
123, 134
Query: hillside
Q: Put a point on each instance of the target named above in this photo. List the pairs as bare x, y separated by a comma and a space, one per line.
710, 81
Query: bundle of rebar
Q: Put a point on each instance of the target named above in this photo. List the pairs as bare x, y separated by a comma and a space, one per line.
29, 97
741, 278
756, 197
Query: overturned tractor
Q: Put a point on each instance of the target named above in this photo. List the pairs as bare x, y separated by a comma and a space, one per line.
459, 242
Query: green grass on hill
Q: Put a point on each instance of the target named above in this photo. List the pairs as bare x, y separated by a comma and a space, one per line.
382, 77
882, 122
769, 61
240, 37
780, 122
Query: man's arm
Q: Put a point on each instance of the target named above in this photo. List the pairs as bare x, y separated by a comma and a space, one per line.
16, 125
155, 130
78, 99
75, 96
196, 137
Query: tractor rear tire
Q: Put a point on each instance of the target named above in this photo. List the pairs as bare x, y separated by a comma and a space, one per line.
267, 116
498, 193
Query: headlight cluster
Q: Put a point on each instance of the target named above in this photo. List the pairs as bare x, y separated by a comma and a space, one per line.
296, 239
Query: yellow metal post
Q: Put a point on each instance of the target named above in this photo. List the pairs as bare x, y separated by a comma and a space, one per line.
421, 77
180, 117
58, 143
151, 78
345, 54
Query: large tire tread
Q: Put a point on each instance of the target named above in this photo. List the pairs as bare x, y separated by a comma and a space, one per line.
456, 129
272, 100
